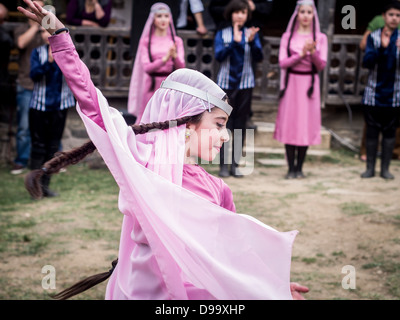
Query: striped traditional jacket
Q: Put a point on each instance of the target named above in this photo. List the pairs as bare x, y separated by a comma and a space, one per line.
236, 70
50, 90
383, 86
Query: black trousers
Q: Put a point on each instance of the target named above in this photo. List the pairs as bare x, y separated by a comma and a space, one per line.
240, 100
383, 120
46, 128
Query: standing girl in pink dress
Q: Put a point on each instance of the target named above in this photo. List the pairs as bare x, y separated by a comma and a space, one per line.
160, 52
181, 238
303, 53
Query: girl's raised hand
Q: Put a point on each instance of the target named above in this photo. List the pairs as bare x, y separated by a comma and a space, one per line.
40, 15
251, 33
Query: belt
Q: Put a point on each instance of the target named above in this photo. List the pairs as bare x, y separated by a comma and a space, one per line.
301, 72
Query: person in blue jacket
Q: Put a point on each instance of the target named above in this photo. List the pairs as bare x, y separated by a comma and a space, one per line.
381, 97
236, 48
51, 98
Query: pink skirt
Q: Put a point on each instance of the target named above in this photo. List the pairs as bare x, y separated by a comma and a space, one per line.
298, 121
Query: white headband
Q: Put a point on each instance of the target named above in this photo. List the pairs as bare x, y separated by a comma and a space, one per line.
161, 10
203, 95
306, 2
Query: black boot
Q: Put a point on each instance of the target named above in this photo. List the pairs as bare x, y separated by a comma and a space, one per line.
372, 148
301, 155
223, 171
387, 151
290, 156
45, 187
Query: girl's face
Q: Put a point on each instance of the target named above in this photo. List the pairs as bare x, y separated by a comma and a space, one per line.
305, 15
161, 20
239, 17
207, 136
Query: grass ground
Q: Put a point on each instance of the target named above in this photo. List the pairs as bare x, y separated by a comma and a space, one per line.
343, 220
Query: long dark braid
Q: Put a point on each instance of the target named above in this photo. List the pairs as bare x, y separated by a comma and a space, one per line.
74, 156
153, 80
314, 68
173, 39
85, 284
282, 92
64, 159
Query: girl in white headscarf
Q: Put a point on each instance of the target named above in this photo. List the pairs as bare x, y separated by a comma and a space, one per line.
160, 52
303, 53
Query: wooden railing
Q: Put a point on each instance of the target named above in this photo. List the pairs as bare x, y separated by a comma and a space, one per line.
342, 81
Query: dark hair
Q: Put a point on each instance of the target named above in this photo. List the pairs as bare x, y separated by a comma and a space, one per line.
63, 159
236, 5
391, 5
314, 68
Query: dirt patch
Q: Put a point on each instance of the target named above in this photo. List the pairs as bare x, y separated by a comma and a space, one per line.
343, 221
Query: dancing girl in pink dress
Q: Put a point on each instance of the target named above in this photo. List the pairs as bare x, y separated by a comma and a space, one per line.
181, 237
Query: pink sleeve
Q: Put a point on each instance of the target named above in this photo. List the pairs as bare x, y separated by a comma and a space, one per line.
227, 198
180, 59
149, 66
77, 76
284, 60
320, 57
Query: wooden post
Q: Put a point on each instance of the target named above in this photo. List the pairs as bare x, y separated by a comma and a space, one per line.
326, 14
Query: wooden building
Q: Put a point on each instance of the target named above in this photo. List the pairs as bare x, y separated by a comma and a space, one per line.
106, 51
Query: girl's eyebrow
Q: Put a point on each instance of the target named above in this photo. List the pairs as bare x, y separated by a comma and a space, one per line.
222, 118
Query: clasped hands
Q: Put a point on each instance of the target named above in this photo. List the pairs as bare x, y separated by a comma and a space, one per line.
309, 47
171, 53
250, 33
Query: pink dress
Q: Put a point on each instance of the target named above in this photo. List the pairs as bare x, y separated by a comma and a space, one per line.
145, 275
177, 241
159, 69
298, 120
